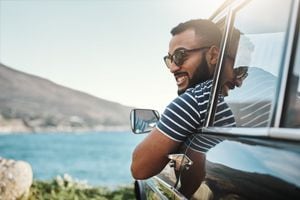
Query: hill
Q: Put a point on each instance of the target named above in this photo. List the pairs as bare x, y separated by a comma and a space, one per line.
31, 103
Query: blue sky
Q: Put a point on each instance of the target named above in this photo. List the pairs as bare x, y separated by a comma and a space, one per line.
111, 49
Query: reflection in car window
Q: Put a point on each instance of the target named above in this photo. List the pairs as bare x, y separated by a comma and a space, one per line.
258, 56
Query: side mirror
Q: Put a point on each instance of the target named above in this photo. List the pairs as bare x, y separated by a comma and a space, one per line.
143, 120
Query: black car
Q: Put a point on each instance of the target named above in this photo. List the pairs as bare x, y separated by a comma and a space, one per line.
260, 157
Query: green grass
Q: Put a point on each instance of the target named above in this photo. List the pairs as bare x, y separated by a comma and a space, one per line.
67, 189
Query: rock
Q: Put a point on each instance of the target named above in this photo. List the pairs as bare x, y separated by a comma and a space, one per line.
15, 179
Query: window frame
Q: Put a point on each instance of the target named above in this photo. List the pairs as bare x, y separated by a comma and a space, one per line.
288, 60
277, 110
289, 73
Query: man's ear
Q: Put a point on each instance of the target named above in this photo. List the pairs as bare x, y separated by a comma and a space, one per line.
213, 55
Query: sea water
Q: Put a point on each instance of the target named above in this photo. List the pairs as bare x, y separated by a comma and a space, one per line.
100, 158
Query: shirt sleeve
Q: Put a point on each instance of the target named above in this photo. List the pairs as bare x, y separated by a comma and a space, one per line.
181, 117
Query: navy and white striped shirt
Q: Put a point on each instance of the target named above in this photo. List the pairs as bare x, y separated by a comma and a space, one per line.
185, 115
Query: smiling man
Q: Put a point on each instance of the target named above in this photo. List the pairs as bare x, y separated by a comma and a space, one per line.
192, 57
193, 52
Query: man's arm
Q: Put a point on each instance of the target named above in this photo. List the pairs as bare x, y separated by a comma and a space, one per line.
179, 120
151, 155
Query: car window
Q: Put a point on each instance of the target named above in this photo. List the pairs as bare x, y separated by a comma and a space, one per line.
292, 113
255, 53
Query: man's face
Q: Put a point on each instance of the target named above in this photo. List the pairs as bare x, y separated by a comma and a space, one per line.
227, 78
195, 68
231, 77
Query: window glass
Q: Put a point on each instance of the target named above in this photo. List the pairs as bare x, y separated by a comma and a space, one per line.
292, 114
254, 57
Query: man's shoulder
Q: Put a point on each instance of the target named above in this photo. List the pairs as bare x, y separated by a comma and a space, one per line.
198, 94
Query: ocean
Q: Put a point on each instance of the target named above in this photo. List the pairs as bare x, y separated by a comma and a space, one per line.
100, 158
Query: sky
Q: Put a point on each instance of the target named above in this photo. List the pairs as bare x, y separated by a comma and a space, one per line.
111, 49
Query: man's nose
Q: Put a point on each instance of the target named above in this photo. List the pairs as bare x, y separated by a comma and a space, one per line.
174, 68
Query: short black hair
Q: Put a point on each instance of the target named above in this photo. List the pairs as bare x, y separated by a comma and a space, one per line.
204, 28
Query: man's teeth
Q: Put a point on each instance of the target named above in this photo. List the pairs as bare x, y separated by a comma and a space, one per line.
181, 79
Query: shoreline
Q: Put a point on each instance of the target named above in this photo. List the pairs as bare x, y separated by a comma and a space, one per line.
67, 130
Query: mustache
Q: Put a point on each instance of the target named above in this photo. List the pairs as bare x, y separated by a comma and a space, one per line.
180, 73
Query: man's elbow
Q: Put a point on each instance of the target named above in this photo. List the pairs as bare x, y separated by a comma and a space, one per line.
138, 173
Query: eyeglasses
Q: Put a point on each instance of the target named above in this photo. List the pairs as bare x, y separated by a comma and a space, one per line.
180, 56
241, 72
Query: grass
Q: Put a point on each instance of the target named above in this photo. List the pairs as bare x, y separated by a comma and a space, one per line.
67, 189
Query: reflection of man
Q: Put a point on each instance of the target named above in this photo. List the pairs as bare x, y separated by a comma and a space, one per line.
193, 55
231, 77
252, 104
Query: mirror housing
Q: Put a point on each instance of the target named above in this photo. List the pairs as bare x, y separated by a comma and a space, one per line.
143, 120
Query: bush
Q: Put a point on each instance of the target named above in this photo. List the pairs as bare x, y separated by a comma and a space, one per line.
67, 189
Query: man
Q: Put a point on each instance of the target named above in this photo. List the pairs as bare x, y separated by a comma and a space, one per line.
193, 55
191, 40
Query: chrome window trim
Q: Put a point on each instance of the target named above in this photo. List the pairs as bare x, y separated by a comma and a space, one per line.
233, 6
237, 131
213, 97
228, 13
285, 133
286, 64
275, 133
221, 15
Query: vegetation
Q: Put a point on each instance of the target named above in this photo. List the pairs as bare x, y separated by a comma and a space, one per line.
67, 189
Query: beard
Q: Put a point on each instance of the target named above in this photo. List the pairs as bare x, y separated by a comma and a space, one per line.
201, 74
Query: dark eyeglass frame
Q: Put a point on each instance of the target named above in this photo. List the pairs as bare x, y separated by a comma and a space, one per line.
179, 56
241, 72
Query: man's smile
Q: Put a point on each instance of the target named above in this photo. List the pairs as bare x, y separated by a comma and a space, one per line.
181, 78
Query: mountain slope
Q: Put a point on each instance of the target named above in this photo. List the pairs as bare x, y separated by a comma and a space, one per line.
41, 104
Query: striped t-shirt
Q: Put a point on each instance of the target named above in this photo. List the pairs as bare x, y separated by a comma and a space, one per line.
185, 115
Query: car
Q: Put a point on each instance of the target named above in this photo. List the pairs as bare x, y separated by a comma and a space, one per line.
260, 157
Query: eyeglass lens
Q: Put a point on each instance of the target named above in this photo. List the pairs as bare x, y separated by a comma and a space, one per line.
178, 58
